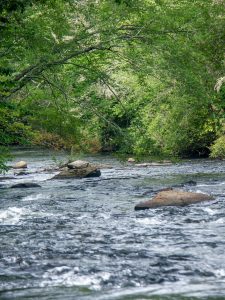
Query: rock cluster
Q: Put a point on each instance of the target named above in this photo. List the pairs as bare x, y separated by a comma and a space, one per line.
78, 169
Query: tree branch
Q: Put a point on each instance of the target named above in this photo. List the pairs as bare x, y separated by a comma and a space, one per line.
27, 74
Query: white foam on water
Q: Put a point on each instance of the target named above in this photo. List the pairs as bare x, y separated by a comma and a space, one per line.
65, 276
220, 273
182, 288
35, 197
210, 211
13, 215
220, 221
200, 192
43, 177
83, 216
105, 216
212, 185
150, 221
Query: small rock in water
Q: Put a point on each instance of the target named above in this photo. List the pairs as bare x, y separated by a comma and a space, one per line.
78, 164
21, 173
95, 173
25, 185
190, 182
20, 165
173, 198
131, 160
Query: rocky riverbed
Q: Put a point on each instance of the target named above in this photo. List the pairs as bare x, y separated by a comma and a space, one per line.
82, 239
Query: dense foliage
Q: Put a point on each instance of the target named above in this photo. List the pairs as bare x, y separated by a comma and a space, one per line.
132, 76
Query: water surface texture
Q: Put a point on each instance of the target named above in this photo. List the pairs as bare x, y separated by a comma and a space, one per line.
82, 239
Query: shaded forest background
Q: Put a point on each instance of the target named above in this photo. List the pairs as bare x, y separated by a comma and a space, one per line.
143, 77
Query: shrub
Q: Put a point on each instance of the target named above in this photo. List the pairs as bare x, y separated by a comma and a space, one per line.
218, 148
12, 130
4, 157
49, 140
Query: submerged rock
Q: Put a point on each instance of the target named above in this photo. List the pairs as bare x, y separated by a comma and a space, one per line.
173, 198
6, 178
153, 164
20, 165
25, 185
82, 172
190, 182
165, 189
21, 173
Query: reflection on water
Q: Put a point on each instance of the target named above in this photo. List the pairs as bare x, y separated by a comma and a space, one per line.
82, 239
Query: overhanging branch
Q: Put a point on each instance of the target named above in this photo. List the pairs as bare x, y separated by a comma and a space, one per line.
27, 74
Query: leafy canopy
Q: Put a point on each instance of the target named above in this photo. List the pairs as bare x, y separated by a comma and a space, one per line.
136, 76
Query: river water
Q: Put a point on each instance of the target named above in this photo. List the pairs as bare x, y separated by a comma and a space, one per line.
82, 239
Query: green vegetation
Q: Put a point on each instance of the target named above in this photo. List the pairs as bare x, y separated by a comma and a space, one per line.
141, 76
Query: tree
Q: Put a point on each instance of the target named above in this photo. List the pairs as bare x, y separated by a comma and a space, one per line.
136, 69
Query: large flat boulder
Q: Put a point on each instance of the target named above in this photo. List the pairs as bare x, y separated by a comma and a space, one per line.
173, 198
89, 171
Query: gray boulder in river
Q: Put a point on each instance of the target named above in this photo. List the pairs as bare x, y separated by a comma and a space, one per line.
173, 198
78, 164
78, 169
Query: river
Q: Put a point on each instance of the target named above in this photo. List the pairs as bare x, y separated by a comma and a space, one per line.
82, 239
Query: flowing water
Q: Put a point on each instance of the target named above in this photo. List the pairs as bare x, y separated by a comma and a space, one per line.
82, 239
